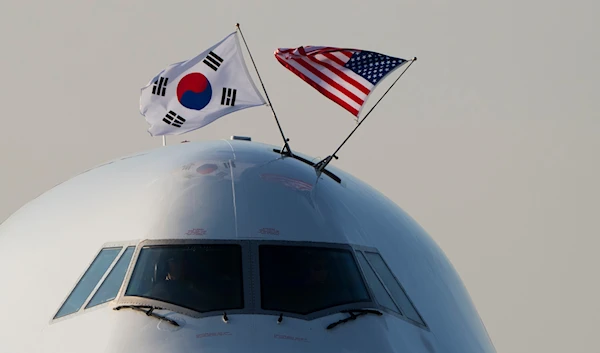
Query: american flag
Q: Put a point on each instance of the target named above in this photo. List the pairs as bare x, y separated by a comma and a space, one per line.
346, 76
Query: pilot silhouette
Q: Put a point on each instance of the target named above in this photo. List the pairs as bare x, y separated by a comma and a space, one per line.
175, 287
174, 268
318, 273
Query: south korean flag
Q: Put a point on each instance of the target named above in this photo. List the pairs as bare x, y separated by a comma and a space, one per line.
191, 94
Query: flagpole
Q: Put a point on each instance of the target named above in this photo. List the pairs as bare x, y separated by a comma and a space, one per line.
322, 164
164, 140
285, 140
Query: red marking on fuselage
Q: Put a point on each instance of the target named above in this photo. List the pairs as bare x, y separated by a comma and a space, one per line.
290, 338
287, 182
196, 231
213, 334
207, 168
269, 231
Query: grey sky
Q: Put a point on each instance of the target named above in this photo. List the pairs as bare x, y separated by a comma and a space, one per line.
490, 140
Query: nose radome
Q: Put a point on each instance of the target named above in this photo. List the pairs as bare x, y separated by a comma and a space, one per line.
246, 333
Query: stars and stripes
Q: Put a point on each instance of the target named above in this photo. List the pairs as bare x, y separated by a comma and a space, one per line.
346, 76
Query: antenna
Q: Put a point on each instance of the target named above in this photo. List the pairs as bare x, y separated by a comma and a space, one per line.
319, 167
286, 147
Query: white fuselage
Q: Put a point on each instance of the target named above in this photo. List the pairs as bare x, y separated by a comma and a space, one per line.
237, 192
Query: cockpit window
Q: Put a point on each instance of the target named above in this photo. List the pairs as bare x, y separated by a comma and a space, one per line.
88, 281
110, 287
381, 295
393, 287
305, 279
208, 277
200, 277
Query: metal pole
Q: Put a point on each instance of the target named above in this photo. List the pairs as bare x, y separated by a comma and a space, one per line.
285, 140
164, 140
322, 164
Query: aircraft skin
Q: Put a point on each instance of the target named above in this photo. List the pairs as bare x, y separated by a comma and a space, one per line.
219, 191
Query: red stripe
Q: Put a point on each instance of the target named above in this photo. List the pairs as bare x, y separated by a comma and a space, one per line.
325, 49
334, 59
329, 80
341, 74
347, 53
319, 88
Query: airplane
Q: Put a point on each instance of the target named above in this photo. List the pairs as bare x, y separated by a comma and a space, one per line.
226, 246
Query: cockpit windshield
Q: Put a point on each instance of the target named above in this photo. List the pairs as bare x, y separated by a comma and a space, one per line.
305, 279
206, 277
200, 277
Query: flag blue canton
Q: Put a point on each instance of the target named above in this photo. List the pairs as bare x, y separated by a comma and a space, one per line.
372, 66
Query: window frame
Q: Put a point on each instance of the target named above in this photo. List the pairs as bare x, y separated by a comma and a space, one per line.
251, 284
82, 308
108, 272
377, 299
367, 249
372, 304
123, 299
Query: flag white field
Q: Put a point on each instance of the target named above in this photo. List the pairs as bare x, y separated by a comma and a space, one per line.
191, 94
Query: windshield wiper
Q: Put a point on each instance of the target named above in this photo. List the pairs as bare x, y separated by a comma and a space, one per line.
149, 312
354, 313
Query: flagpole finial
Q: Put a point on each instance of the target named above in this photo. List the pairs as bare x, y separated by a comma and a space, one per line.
415, 58
237, 25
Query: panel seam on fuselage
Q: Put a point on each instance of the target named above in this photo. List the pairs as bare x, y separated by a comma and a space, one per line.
235, 220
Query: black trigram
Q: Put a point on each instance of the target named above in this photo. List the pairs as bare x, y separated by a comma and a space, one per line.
160, 86
213, 61
173, 119
228, 97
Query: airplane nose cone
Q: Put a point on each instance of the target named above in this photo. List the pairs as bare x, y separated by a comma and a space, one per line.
252, 333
